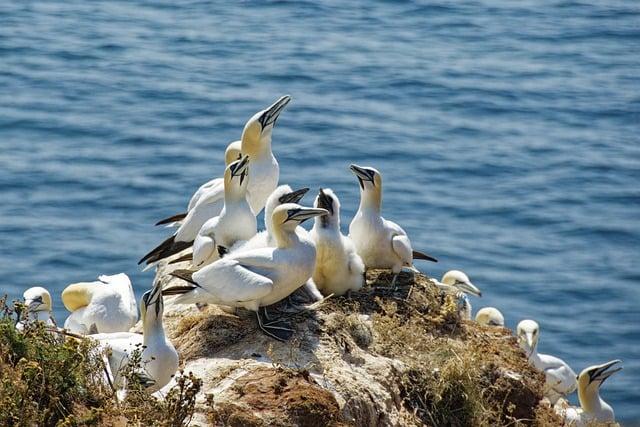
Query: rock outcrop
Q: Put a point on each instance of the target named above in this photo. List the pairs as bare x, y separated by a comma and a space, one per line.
378, 357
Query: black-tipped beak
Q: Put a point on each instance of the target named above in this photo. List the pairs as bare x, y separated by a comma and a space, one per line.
153, 296
271, 114
303, 214
325, 202
239, 166
363, 174
604, 371
294, 196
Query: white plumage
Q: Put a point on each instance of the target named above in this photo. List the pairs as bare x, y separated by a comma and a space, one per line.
258, 277
38, 307
560, 378
490, 316
379, 242
236, 221
106, 305
339, 268
159, 357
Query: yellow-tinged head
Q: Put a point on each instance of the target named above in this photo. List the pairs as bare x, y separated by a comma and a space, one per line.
256, 136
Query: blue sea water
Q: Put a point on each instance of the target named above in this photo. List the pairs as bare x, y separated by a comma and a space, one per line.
507, 134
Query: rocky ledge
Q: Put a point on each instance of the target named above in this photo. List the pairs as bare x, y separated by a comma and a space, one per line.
378, 357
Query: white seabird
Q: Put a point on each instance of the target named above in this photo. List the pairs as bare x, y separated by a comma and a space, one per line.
211, 191
380, 243
265, 239
258, 277
256, 143
339, 268
236, 221
37, 301
593, 410
106, 305
159, 357
457, 283
560, 378
490, 316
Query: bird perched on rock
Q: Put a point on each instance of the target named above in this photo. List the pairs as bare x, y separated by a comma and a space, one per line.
158, 356
106, 305
380, 243
457, 283
257, 277
37, 301
560, 378
489, 316
593, 409
256, 143
236, 221
339, 269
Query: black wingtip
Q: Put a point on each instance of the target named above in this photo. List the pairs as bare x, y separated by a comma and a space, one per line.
422, 255
186, 275
174, 218
183, 258
177, 290
165, 249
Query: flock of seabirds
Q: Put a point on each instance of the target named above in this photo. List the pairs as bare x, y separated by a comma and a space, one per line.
234, 265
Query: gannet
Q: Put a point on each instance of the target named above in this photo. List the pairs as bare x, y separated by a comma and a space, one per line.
380, 243
106, 305
339, 268
258, 277
37, 301
457, 283
256, 143
159, 357
490, 316
592, 408
235, 223
560, 378
212, 190
264, 239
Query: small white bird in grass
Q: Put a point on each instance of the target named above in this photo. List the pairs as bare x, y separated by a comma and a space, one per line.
265, 239
38, 307
593, 410
259, 277
159, 357
560, 378
490, 316
265, 172
380, 243
457, 283
211, 192
106, 305
339, 268
235, 223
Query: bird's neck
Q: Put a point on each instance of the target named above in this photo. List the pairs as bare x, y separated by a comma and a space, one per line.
152, 328
285, 238
257, 150
590, 400
235, 198
371, 200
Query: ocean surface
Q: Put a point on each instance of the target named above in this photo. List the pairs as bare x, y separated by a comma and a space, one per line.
507, 133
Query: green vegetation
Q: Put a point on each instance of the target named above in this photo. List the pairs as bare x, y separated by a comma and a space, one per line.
47, 379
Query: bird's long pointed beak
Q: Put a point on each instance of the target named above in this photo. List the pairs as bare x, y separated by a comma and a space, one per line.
33, 304
604, 371
360, 172
469, 288
241, 167
270, 115
304, 214
324, 202
529, 338
294, 196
